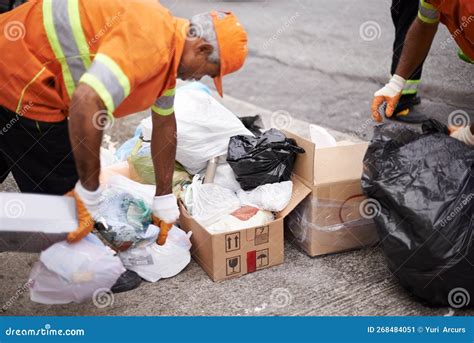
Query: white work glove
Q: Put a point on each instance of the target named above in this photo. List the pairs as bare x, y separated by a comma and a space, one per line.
91, 199
165, 213
463, 134
165, 208
390, 94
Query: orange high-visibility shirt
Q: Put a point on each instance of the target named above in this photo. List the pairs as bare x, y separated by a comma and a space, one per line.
128, 51
457, 15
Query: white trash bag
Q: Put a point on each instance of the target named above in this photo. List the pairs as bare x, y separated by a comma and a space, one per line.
270, 197
74, 272
154, 262
204, 128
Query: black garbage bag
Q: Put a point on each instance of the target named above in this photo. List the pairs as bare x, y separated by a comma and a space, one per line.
423, 184
268, 158
253, 123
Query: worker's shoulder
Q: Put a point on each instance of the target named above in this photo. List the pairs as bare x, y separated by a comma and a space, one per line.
142, 7
131, 8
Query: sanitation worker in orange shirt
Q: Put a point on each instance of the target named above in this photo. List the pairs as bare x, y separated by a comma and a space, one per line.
68, 64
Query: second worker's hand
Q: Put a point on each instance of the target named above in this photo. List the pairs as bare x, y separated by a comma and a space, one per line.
389, 94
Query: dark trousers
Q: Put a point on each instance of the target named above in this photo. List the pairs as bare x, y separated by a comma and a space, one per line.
38, 154
403, 13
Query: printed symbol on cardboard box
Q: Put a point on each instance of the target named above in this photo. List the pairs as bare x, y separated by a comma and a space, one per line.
263, 259
232, 242
262, 235
232, 265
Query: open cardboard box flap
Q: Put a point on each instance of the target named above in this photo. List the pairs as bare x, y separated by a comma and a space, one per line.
300, 191
328, 165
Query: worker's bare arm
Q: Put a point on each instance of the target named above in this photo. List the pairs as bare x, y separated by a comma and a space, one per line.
86, 123
163, 150
416, 47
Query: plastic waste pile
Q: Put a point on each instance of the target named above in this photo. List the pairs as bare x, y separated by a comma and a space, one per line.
217, 193
206, 177
73, 272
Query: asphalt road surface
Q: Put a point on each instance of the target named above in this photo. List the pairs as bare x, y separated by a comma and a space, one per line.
320, 61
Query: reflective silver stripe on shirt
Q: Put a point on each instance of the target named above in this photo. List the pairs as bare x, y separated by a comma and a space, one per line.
66, 38
430, 13
165, 102
103, 73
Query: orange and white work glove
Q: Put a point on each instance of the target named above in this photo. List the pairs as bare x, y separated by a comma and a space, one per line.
390, 94
87, 204
165, 214
464, 134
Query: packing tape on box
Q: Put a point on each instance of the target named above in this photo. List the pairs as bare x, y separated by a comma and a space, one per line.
338, 218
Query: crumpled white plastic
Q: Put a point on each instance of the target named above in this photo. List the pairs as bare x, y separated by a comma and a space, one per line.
154, 262
321, 137
211, 202
225, 177
74, 272
231, 223
270, 197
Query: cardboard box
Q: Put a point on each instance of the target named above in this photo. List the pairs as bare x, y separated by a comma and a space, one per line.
331, 219
232, 254
32, 222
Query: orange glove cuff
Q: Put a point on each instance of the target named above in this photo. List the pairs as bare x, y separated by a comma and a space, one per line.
164, 229
86, 222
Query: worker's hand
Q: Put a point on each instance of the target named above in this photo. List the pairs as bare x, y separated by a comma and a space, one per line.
390, 94
86, 222
165, 214
91, 199
464, 134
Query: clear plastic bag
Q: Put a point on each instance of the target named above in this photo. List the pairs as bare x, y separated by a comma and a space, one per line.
141, 164
323, 226
142, 169
124, 220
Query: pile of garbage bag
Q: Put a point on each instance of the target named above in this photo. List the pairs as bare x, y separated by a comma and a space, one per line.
212, 176
422, 185
74, 272
222, 196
